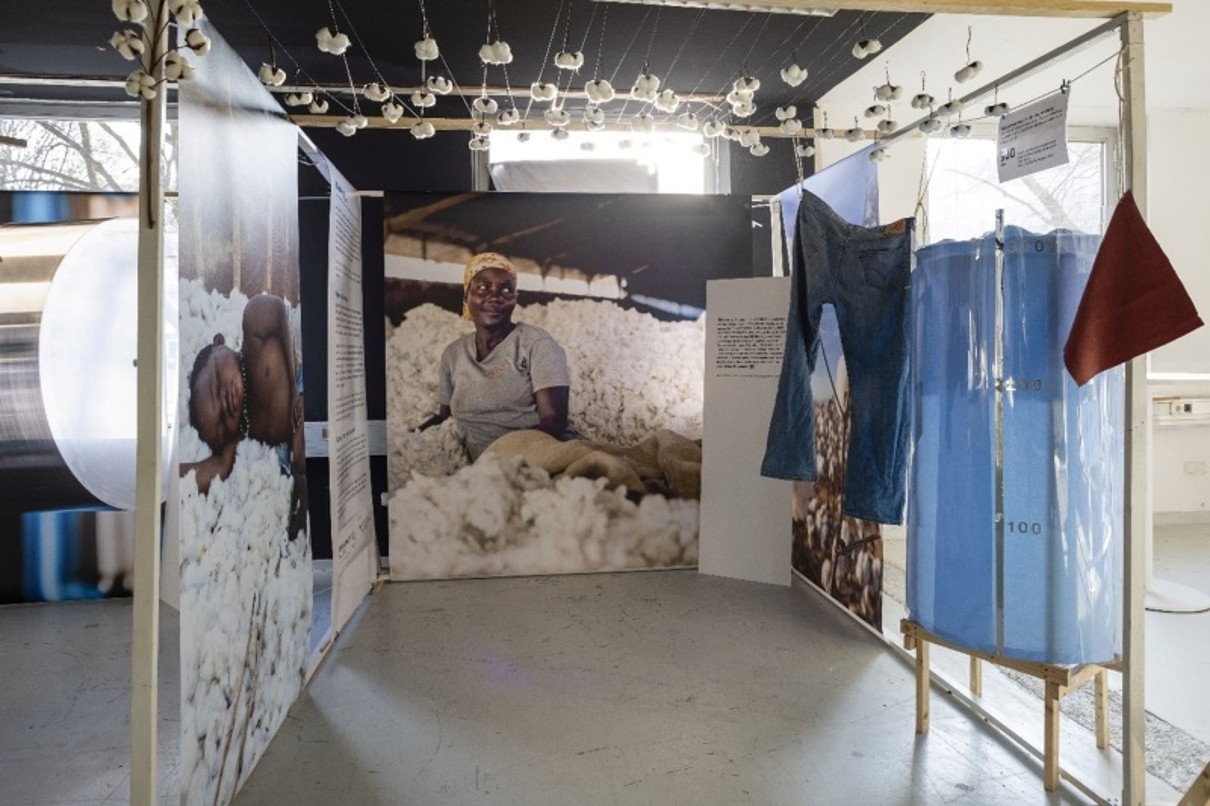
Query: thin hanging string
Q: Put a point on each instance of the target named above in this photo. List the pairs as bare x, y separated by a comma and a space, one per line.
970, 33
633, 38
370, 59
645, 106
734, 38
282, 48
655, 25
566, 28
843, 65
550, 43
772, 54
1067, 83
755, 41
427, 31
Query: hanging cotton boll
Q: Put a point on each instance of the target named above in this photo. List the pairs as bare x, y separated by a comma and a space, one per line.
713, 128
744, 110
950, 108
423, 99
178, 68
887, 126
376, 92
130, 10
588, 145
968, 72
479, 144
497, 52
996, 110
930, 124
392, 111
439, 84
543, 91
645, 87
643, 123
567, 60
594, 114
346, 127
318, 107
332, 43
866, 47
960, 131
794, 75
295, 99
785, 112
360, 120
737, 97
127, 43
688, 121
197, 41
185, 12
522, 137
426, 49
557, 117
854, 134
732, 133
560, 134
508, 117
758, 150
422, 130
878, 154
595, 125
748, 84
790, 127
875, 111
922, 101
888, 92
804, 150
749, 138
667, 101
481, 128
485, 105
701, 149
271, 75
599, 91
825, 134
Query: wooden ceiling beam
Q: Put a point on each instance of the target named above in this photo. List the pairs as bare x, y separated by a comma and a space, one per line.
1105, 9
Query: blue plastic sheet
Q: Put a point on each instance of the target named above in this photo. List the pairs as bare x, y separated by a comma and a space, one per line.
1039, 579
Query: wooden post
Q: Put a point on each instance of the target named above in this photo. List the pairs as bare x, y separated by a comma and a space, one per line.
1050, 738
1101, 697
922, 687
976, 677
145, 648
1134, 146
1199, 792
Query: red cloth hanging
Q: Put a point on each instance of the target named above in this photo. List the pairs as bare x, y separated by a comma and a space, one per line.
1133, 303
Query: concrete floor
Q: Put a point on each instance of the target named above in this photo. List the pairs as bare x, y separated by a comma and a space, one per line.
664, 688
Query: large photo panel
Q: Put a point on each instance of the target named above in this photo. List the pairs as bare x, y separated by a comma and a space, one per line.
601, 300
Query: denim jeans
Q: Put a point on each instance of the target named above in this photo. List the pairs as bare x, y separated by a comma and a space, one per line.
864, 272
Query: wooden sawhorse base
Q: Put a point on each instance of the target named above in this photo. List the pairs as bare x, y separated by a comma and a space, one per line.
1059, 680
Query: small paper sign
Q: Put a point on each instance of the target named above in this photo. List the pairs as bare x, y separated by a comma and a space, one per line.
1033, 138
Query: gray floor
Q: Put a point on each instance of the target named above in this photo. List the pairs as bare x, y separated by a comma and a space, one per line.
638, 688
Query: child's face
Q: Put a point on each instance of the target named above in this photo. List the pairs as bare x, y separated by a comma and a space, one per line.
218, 398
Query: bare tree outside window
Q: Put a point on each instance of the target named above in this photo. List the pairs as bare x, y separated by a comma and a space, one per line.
963, 191
76, 155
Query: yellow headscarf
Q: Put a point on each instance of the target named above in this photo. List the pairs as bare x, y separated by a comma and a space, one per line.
481, 261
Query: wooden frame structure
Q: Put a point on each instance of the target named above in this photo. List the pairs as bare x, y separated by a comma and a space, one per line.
145, 652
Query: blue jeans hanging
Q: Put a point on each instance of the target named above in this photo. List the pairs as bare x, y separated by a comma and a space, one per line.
864, 272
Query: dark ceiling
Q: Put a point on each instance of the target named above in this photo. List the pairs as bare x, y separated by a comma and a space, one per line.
690, 49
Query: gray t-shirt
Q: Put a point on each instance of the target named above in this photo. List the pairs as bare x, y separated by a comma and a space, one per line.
491, 397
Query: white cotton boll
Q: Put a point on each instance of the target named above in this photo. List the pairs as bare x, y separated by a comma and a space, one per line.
922, 100
439, 85
790, 127
485, 105
299, 99
785, 112
392, 112
804, 150
749, 138
359, 120
713, 128
594, 114
557, 117
930, 124
759, 150
737, 97
271, 75
560, 134
667, 101
687, 121
595, 126
745, 110
643, 123
140, 84
128, 43
177, 67
376, 91
599, 91
732, 133
960, 131
854, 134
481, 128
887, 126
318, 107
968, 72
508, 117
543, 91
701, 149
794, 75
497, 52
888, 92
878, 154
876, 110
423, 99
996, 110
478, 144
748, 84
130, 10
185, 12
588, 145
645, 87
426, 49
332, 43
568, 60
347, 127
950, 108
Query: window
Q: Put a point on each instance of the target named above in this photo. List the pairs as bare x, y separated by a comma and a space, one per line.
77, 155
963, 191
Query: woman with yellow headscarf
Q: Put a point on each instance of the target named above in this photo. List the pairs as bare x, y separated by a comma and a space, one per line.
506, 375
